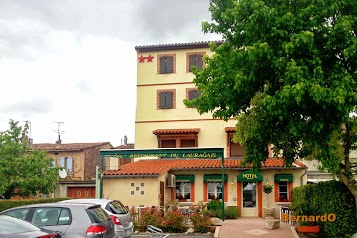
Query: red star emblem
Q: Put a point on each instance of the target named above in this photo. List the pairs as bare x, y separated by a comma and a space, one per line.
149, 58
141, 59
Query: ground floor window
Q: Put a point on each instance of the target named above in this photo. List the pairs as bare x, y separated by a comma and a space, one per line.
283, 192
183, 191
214, 190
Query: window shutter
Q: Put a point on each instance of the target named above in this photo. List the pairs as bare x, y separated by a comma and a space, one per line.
192, 62
191, 94
169, 99
198, 93
69, 164
199, 61
162, 65
162, 103
169, 64
62, 161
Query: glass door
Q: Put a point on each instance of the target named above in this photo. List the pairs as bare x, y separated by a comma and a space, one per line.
249, 199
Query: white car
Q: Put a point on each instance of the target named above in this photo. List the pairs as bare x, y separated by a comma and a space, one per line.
116, 210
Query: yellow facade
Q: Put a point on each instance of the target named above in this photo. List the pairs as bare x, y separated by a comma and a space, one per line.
210, 133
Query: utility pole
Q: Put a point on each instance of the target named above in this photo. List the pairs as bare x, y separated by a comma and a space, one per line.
59, 132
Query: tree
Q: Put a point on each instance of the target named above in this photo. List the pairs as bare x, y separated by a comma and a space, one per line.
286, 70
23, 172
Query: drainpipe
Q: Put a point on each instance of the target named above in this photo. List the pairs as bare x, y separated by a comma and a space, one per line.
301, 178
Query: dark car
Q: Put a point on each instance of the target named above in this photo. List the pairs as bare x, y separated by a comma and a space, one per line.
70, 220
11, 227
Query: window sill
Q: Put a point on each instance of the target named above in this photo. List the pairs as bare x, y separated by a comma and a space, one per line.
283, 202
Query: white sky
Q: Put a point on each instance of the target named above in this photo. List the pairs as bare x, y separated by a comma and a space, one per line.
74, 62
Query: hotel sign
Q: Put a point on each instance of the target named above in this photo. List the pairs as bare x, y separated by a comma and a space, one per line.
249, 176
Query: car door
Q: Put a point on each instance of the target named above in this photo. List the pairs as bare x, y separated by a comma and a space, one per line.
56, 219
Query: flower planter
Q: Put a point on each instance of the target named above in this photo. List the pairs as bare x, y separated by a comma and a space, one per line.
269, 211
308, 229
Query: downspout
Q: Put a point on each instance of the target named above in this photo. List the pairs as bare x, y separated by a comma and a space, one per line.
301, 178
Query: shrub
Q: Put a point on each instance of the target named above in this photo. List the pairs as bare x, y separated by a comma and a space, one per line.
201, 222
231, 212
173, 222
149, 216
7, 204
326, 198
214, 205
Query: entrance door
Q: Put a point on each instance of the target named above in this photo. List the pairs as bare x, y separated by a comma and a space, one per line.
249, 199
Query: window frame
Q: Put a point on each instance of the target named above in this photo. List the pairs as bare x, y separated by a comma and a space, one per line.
188, 66
289, 186
158, 58
183, 191
158, 93
65, 164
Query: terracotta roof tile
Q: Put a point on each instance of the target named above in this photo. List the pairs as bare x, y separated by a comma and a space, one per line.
67, 147
161, 166
230, 129
176, 131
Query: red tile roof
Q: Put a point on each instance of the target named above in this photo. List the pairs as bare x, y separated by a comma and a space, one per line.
161, 166
67, 147
176, 131
230, 129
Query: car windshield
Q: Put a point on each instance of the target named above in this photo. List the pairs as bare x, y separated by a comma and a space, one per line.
11, 225
118, 208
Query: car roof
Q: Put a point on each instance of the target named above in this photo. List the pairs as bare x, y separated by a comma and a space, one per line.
85, 205
88, 200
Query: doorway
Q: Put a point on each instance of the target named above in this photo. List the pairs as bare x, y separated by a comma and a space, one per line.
249, 199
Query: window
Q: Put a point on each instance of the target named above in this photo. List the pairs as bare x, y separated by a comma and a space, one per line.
236, 150
18, 213
183, 191
194, 59
51, 216
214, 190
67, 163
166, 99
54, 162
167, 64
142, 192
132, 184
132, 192
283, 192
194, 93
142, 184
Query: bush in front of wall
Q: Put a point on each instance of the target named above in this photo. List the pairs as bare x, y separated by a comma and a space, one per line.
331, 197
231, 212
8, 203
201, 222
173, 222
149, 216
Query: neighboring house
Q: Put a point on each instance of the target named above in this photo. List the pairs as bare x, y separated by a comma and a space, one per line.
80, 161
164, 80
114, 163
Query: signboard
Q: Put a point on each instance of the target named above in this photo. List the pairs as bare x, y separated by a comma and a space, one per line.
249, 176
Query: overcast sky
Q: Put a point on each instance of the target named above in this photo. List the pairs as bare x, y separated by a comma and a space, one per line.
74, 62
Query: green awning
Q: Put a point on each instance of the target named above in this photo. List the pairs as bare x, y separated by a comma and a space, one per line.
249, 176
284, 178
214, 178
185, 178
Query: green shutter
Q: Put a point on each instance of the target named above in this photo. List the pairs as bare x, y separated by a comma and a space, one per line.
186, 178
248, 176
169, 99
169, 64
214, 178
162, 64
199, 61
284, 178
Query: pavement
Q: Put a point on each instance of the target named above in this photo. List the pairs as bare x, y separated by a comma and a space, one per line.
245, 227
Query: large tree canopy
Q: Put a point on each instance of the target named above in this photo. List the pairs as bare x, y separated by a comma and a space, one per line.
22, 171
287, 71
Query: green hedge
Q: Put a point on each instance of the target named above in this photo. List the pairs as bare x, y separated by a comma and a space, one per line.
326, 198
6, 204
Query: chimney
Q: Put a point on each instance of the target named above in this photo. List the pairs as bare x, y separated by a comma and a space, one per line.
125, 140
30, 142
59, 141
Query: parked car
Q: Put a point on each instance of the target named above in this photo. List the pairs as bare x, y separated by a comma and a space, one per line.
116, 210
70, 220
12, 227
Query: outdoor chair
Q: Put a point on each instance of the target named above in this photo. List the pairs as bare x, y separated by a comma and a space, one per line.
156, 232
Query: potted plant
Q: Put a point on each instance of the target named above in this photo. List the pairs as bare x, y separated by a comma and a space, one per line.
308, 227
267, 189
